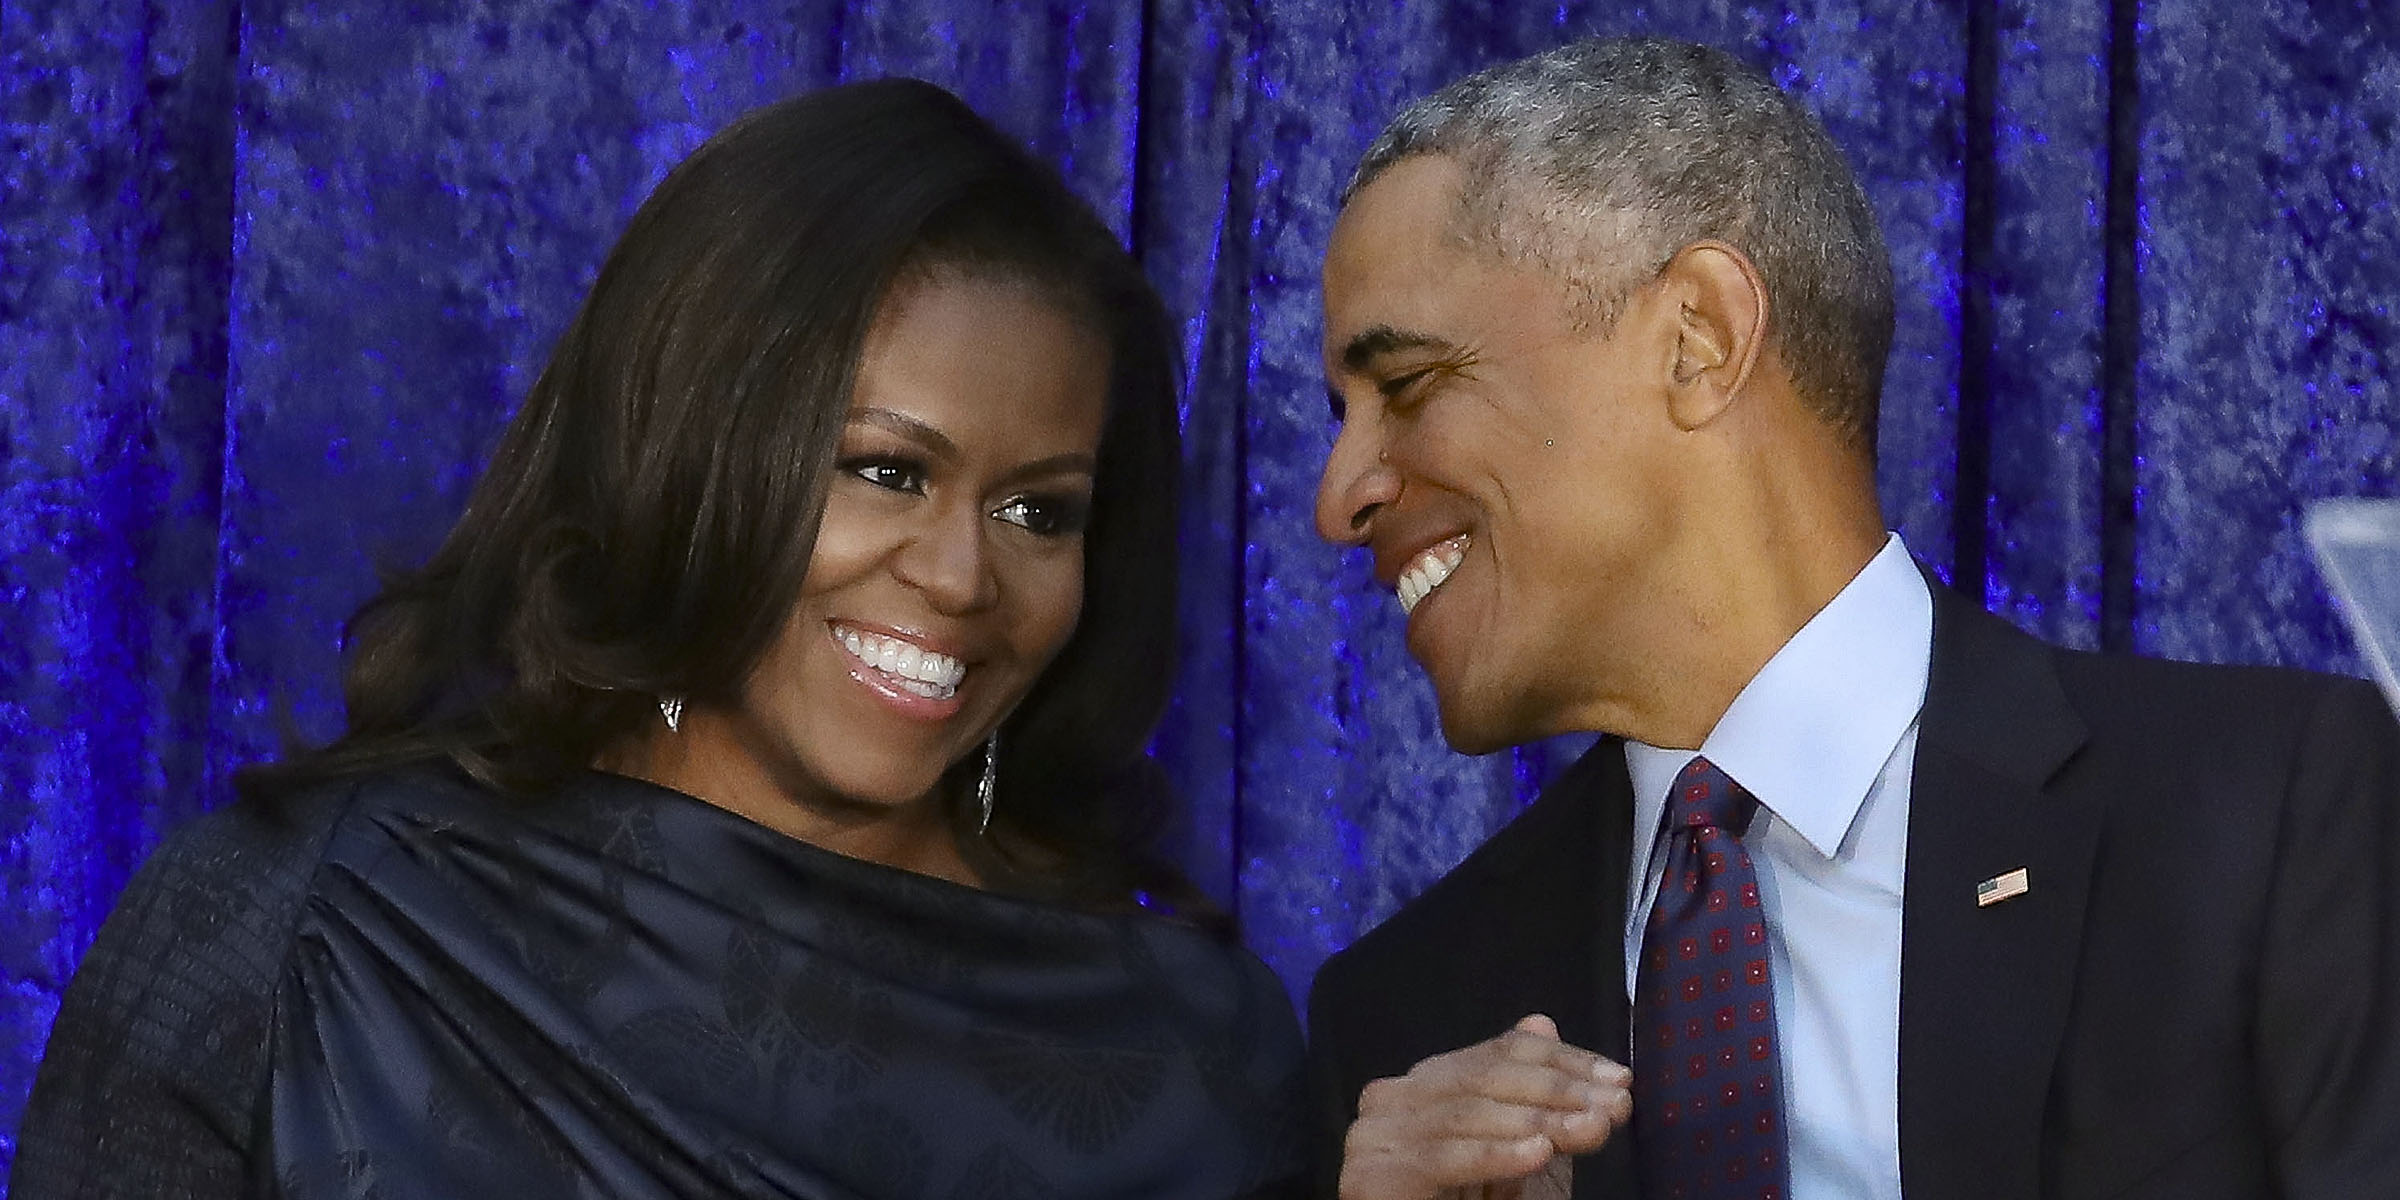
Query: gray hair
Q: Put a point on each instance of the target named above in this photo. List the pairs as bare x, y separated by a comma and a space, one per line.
1601, 159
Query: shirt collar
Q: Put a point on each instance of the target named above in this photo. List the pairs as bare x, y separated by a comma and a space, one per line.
1810, 733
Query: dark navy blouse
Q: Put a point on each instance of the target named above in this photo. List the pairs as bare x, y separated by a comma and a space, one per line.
411, 988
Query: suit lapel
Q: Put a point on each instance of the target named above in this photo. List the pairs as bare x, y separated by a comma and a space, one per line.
1608, 798
1598, 851
1984, 989
1557, 913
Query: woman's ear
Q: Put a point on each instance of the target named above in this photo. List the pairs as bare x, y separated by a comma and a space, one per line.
1720, 326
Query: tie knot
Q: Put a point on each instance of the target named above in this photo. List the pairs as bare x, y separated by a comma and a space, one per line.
1706, 797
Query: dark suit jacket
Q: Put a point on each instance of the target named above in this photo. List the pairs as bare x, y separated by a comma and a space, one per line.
2198, 996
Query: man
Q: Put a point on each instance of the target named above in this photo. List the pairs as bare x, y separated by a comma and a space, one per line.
1872, 892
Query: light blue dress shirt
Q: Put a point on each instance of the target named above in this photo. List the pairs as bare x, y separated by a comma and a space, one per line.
1825, 736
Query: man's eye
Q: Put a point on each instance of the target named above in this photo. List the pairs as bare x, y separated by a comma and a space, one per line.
1398, 387
1046, 516
891, 474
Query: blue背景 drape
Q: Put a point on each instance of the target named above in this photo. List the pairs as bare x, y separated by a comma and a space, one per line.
272, 274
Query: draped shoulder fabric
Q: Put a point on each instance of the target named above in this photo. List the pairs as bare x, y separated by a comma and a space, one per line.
622, 991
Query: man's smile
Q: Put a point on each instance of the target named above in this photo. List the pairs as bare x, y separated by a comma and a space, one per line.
1429, 570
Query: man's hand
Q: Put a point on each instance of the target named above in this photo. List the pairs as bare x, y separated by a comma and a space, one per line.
1483, 1121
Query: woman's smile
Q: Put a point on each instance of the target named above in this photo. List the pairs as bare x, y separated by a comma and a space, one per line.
915, 678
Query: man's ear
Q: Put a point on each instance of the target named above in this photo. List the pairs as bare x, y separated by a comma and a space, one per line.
1720, 326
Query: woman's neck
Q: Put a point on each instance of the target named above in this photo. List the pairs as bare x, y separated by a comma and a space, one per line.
698, 761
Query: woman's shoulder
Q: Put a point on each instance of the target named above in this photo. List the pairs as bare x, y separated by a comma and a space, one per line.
205, 924
161, 1039
1220, 985
252, 860
277, 839
259, 839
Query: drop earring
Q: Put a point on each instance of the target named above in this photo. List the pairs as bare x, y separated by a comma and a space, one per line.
671, 707
988, 783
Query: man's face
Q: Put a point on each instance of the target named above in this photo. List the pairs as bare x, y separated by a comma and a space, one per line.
1510, 473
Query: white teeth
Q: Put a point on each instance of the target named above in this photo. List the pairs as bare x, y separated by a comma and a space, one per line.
1428, 571
912, 668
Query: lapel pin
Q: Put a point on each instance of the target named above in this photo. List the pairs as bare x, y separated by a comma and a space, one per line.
2000, 887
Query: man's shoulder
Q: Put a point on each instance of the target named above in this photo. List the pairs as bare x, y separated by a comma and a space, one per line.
1550, 848
2210, 709
1520, 926
1983, 665
2197, 685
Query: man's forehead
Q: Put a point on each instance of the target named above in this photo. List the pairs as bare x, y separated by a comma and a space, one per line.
1381, 259
1406, 248
1414, 201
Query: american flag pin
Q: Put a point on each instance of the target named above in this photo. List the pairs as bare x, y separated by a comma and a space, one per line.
2000, 887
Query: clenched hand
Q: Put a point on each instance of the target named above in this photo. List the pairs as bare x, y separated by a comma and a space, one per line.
1498, 1120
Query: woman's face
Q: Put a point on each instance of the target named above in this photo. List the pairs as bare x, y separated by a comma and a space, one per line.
948, 571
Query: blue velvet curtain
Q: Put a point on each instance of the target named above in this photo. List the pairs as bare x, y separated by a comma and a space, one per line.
272, 274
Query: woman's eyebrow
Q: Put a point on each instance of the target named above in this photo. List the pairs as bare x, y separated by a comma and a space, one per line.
908, 427
1074, 462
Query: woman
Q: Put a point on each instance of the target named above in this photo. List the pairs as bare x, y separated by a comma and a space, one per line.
747, 798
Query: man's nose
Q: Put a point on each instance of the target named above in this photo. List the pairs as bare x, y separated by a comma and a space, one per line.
1357, 483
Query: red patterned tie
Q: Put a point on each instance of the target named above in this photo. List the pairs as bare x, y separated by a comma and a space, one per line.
1707, 1092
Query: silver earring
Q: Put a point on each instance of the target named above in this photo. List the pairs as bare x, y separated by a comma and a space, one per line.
988, 783
671, 707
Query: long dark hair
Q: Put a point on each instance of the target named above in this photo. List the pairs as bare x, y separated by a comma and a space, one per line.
644, 524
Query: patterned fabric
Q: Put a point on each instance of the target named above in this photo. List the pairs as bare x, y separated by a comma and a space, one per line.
1707, 1103
626, 992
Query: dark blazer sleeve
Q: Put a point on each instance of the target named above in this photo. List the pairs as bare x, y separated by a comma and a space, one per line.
152, 1079
2328, 1025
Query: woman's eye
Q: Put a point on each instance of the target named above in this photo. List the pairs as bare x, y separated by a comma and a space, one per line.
891, 474
1048, 516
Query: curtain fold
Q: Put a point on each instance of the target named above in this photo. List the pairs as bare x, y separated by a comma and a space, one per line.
116, 240
274, 273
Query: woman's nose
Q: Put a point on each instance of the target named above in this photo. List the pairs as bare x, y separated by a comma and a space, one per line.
950, 562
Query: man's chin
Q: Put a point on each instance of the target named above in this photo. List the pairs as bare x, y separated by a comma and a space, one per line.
1473, 727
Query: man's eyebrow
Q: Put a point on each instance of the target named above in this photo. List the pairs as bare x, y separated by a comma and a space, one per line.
1375, 341
908, 427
